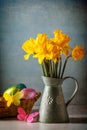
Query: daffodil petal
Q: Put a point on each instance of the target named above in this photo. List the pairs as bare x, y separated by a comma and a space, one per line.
26, 56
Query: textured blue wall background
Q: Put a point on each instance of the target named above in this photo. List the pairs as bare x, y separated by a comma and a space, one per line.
22, 19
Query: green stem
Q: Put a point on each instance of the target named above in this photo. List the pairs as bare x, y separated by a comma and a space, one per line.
60, 66
47, 65
50, 68
53, 69
44, 67
64, 66
56, 67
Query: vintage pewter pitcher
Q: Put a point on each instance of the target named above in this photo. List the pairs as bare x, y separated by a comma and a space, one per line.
53, 108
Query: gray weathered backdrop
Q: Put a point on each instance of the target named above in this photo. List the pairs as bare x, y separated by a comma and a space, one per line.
22, 19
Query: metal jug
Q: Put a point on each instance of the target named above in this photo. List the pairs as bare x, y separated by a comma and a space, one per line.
53, 108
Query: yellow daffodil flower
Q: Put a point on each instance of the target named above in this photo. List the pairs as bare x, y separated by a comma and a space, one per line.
29, 47
78, 52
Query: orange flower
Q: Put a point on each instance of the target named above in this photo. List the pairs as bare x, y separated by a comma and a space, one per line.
78, 53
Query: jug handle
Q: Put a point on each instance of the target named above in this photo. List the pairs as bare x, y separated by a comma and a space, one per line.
75, 90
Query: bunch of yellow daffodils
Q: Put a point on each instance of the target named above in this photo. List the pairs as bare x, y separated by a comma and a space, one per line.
49, 52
